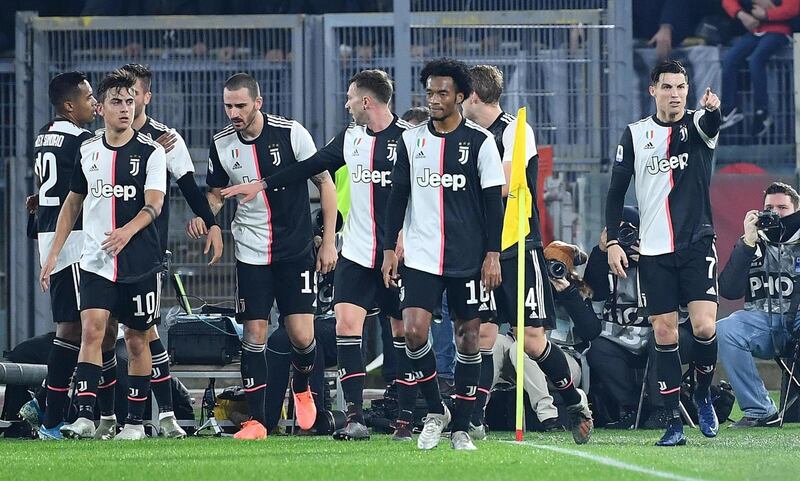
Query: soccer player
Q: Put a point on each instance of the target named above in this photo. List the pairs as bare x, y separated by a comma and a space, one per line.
483, 107
273, 241
669, 154
181, 168
446, 196
119, 181
54, 150
368, 147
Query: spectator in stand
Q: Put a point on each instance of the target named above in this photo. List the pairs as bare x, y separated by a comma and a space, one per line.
768, 25
663, 23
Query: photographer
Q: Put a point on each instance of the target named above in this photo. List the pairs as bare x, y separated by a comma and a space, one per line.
576, 325
767, 254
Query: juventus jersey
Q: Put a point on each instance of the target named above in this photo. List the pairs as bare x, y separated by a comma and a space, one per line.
671, 164
114, 180
276, 225
370, 157
179, 163
54, 153
504, 130
444, 231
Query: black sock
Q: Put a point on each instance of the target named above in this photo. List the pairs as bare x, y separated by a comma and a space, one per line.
303, 364
106, 390
484, 386
553, 363
423, 363
138, 392
406, 383
668, 363
60, 365
467, 375
705, 362
254, 377
351, 374
161, 382
87, 376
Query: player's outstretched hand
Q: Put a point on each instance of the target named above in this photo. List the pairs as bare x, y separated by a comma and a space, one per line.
490, 271
116, 241
248, 191
196, 228
327, 257
710, 101
214, 243
617, 260
389, 268
168, 140
47, 269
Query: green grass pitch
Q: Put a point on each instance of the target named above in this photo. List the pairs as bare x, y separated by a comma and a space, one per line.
758, 454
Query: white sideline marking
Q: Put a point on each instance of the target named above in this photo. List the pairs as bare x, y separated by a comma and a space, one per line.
609, 461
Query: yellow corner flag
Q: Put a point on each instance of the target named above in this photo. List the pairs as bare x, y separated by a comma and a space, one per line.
518, 192
515, 228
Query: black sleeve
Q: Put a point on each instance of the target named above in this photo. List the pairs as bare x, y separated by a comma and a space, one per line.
398, 198
330, 157
78, 182
196, 200
587, 324
709, 123
216, 176
493, 201
620, 180
596, 274
733, 280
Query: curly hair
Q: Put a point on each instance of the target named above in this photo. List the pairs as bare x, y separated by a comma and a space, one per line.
448, 67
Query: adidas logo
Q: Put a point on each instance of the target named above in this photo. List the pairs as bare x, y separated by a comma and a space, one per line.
237, 165
711, 291
649, 146
355, 152
93, 168
483, 307
420, 155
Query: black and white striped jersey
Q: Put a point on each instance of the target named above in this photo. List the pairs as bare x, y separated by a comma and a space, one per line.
114, 180
54, 153
504, 130
671, 164
444, 231
276, 225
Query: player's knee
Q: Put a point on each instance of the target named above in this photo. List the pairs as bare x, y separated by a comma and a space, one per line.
349, 326
255, 331
665, 332
415, 335
397, 328
704, 330
488, 335
92, 332
467, 337
136, 342
535, 341
70, 331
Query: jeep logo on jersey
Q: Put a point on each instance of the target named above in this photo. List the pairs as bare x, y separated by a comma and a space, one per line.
372, 176
125, 192
657, 165
135, 165
275, 153
435, 179
391, 147
463, 153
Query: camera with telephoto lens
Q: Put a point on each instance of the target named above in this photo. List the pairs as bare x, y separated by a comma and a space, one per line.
768, 220
556, 269
628, 237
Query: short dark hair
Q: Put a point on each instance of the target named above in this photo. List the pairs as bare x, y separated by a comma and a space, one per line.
487, 81
417, 115
447, 67
667, 66
118, 79
64, 87
782, 188
141, 73
243, 81
376, 81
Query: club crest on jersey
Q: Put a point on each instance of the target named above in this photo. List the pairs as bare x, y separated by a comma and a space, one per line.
684, 132
463, 152
275, 153
391, 147
657, 165
135, 165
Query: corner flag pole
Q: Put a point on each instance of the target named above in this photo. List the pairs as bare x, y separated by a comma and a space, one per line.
521, 192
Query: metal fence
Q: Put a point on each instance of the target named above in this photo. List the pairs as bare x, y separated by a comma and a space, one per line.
7, 136
482, 5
